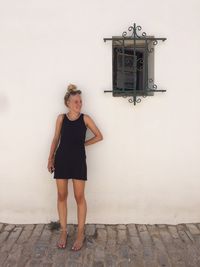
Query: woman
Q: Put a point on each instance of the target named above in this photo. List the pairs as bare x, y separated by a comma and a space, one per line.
68, 161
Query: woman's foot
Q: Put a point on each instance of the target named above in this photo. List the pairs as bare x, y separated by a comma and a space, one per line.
79, 242
63, 239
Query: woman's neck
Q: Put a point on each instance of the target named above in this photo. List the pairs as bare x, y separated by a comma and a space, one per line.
73, 115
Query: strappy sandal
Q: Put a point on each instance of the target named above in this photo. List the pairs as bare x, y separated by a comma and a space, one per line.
62, 245
82, 243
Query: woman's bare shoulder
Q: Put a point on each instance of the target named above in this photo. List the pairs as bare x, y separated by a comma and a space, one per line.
85, 115
86, 118
60, 117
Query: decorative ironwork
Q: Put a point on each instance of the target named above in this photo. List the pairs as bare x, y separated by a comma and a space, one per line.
131, 64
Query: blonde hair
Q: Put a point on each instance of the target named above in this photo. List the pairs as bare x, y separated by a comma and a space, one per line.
71, 90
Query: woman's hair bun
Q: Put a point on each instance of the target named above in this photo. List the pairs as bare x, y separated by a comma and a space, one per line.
71, 87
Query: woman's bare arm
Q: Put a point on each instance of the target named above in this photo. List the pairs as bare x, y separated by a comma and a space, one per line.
56, 137
92, 126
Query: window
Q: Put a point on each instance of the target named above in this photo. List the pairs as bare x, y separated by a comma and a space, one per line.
133, 65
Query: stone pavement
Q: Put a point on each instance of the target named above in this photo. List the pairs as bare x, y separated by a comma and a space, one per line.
122, 245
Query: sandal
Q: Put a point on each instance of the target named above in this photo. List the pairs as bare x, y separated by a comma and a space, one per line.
80, 246
61, 244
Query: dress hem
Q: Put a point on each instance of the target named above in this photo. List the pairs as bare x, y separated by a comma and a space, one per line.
70, 178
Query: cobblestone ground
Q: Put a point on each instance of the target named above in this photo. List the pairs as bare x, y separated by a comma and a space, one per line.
121, 245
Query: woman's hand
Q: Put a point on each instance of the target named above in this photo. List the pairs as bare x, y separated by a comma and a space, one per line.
50, 165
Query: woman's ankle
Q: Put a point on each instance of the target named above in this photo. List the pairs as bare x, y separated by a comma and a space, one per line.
63, 229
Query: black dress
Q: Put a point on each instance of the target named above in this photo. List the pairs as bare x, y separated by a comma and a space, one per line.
70, 156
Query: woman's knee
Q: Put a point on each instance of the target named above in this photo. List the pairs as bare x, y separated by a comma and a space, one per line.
79, 198
62, 196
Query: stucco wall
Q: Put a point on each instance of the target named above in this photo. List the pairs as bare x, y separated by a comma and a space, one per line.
146, 169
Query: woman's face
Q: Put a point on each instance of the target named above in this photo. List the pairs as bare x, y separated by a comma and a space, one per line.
75, 103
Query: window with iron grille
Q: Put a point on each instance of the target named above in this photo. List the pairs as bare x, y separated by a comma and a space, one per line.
133, 65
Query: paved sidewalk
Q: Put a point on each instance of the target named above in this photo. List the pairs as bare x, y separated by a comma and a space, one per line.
123, 245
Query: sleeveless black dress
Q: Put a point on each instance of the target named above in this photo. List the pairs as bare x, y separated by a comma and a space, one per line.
70, 156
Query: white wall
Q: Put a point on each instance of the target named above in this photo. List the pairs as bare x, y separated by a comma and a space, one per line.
146, 169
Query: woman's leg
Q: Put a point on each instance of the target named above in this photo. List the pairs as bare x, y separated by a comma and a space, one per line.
62, 190
79, 186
